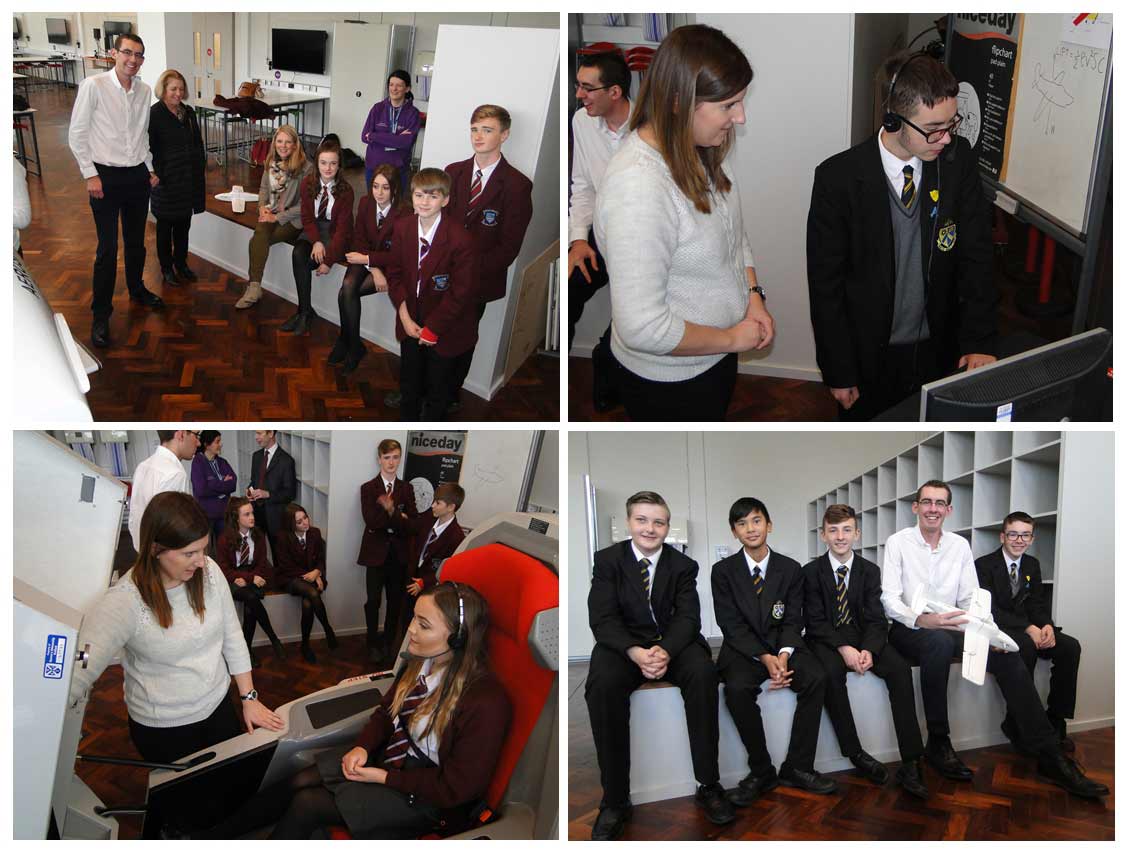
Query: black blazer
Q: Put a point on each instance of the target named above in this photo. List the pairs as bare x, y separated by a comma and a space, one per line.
178, 160
864, 600
1013, 614
755, 625
618, 606
851, 263
280, 482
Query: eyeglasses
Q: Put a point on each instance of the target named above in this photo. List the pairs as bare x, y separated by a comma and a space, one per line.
928, 503
579, 86
131, 54
1013, 536
194, 433
932, 136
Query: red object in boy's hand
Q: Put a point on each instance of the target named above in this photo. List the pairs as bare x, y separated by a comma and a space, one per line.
427, 336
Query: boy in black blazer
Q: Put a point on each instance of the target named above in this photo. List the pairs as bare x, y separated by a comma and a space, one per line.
899, 250
758, 598
1021, 607
644, 612
846, 630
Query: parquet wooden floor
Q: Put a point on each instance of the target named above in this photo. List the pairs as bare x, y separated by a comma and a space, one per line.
200, 358
1005, 801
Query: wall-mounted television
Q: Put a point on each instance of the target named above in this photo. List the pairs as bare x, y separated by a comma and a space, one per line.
16, 32
112, 29
303, 51
58, 31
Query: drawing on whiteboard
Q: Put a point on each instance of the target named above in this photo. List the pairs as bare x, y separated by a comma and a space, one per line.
1054, 94
487, 474
968, 105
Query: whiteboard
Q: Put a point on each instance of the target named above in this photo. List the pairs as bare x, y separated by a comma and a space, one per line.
1058, 107
495, 463
63, 542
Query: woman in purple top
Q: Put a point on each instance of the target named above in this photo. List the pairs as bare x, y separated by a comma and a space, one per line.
392, 128
212, 480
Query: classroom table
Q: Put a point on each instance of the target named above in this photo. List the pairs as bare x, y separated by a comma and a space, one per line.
21, 80
63, 65
282, 101
21, 146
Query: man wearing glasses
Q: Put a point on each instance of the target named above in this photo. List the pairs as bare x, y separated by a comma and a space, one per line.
109, 139
899, 250
1021, 607
927, 556
163, 471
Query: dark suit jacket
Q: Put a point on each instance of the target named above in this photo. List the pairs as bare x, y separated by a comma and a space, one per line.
755, 625
447, 304
226, 555
851, 263
864, 600
502, 216
342, 216
294, 561
280, 482
377, 536
618, 606
1013, 614
368, 238
441, 548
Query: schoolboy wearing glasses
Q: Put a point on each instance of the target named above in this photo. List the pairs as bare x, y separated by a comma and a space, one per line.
1021, 607
899, 250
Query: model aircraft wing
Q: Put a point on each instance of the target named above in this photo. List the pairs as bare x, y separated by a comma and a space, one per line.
980, 607
973, 665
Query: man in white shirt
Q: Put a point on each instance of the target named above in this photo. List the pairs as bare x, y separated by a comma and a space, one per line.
109, 139
163, 471
926, 555
603, 83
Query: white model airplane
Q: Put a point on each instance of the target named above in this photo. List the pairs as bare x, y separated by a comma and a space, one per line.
980, 631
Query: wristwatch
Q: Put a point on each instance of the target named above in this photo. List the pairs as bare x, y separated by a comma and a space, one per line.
253, 694
759, 290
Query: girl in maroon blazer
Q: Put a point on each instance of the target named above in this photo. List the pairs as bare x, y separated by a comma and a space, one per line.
301, 571
327, 205
241, 554
427, 753
379, 210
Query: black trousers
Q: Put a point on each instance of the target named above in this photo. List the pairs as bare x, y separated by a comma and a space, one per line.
391, 577
428, 381
126, 192
253, 612
1066, 658
464, 362
608, 687
174, 742
903, 369
579, 291
171, 242
702, 398
934, 650
311, 605
896, 672
743, 677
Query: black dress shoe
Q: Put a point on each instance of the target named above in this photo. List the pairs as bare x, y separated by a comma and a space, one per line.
185, 274
304, 323
610, 822
307, 653
911, 779
871, 768
99, 333
146, 298
393, 400
1011, 732
353, 359
1066, 743
808, 780
752, 787
339, 352
169, 275
1064, 772
290, 324
715, 804
278, 649
941, 755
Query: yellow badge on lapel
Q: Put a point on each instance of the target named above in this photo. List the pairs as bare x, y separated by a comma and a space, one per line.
946, 236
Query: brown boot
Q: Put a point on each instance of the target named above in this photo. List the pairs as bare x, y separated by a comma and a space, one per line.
251, 296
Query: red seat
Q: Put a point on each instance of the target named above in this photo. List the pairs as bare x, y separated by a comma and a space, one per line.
599, 47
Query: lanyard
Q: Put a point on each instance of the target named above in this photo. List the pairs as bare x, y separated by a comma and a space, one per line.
394, 114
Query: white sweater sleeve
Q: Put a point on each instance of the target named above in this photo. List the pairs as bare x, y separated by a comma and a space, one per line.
234, 643
106, 628
637, 230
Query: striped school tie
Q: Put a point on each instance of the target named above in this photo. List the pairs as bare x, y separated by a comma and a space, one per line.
399, 743
423, 249
244, 550
1014, 578
909, 191
322, 211
473, 197
758, 581
645, 576
428, 541
378, 219
841, 596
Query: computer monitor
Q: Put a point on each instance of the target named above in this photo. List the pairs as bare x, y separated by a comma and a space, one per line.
1068, 380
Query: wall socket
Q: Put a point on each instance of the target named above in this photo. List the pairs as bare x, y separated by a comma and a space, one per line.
721, 552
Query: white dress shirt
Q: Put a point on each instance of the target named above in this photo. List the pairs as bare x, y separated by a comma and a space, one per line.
1018, 561
109, 125
652, 562
268, 451
764, 567
430, 745
594, 145
161, 472
249, 537
331, 199
433, 536
909, 563
485, 173
428, 237
892, 165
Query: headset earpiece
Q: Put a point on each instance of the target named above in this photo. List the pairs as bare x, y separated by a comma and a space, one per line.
891, 121
458, 640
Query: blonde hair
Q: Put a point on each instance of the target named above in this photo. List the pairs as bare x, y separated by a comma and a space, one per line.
492, 111
431, 179
295, 163
162, 81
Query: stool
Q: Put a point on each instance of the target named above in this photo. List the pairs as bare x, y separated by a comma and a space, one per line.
21, 146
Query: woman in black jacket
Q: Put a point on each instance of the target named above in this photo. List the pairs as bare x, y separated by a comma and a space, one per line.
179, 161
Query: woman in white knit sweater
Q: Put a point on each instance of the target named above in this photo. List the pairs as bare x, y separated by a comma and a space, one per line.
684, 291
172, 620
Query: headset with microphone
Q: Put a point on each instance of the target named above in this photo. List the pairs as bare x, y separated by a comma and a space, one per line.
457, 640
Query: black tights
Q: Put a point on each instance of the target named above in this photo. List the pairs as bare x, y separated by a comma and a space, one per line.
253, 612
311, 604
357, 283
297, 806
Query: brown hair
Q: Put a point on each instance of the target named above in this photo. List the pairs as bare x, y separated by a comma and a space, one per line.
492, 111
289, 517
172, 520
389, 445
294, 165
469, 662
391, 174
838, 513
133, 37
695, 64
1025, 518
645, 498
450, 493
328, 145
162, 81
233, 507
923, 81
934, 484
431, 179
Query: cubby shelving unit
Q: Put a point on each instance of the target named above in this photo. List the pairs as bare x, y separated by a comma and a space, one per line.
312, 453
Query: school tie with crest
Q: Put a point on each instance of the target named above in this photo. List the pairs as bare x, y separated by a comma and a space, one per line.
842, 609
